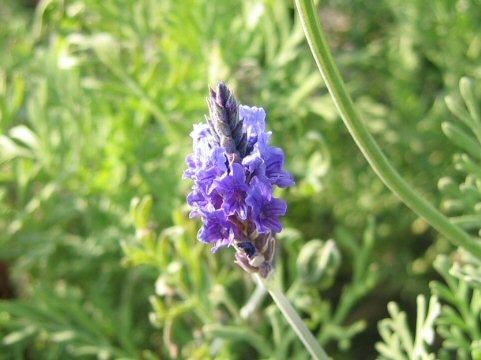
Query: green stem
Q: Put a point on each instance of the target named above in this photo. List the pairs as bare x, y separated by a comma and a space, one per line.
293, 318
366, 143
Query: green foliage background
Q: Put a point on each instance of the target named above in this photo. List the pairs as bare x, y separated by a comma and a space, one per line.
97, 99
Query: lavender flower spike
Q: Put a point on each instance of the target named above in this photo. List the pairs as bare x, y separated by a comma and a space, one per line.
234, 170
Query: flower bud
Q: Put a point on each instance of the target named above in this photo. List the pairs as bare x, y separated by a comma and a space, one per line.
318, 263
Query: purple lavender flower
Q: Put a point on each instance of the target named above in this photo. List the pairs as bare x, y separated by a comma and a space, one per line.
217, 230
265, 208
234, 170
233, 189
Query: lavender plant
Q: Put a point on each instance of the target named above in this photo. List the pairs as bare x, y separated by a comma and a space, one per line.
234, 171
86, 125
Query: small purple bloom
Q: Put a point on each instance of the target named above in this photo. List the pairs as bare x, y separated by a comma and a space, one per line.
216, 230
274, 168
266, 209
234, 169
254, 121
233, 188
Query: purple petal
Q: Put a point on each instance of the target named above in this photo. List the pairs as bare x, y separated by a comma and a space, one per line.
232, 188
254, 120
216, 228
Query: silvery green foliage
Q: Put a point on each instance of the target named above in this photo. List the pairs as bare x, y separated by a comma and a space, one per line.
89, 75
318, 262
317, 266
457, 322
463, 201
398, 341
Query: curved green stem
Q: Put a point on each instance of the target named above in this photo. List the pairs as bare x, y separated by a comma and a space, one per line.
293, 318
366, 143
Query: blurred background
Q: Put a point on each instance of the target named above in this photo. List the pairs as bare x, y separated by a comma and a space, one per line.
98, 259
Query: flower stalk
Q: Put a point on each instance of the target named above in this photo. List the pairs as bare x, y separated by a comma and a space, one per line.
235, 169
366, 143
293, 318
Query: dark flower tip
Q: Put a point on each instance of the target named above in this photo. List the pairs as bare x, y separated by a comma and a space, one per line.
225, 122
